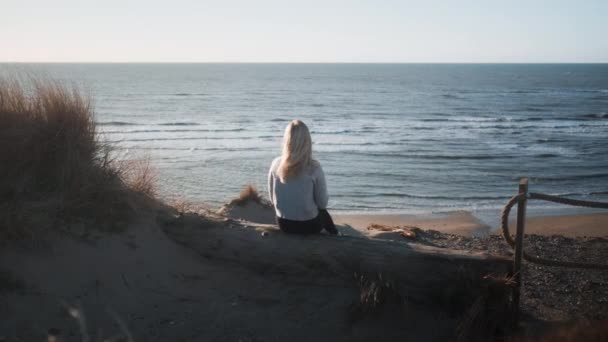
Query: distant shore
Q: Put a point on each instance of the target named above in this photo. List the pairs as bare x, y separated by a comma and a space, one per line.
466, 224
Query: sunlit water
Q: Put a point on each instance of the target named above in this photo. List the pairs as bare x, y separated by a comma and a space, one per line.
397, 138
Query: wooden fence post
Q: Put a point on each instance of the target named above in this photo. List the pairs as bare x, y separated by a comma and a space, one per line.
519, 242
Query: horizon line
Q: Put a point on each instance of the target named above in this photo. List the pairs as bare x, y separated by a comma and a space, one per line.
279, 62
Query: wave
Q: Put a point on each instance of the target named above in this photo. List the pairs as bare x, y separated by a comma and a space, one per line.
343, 131
429, 197
572, 177
174, 131
575, 195
178, 124
596, 116
187, 94
126, 123
547, 155
458, 198
480, 119
452, 96
549, 140
601, 97
523, 91
116, 123
212, 149
179, 139
466, 109
502, 127
367, 143
581, 194
368, 128
431, 156
536, 109
482, 123
480, 127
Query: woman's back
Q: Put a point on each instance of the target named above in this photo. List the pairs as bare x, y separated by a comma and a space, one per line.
296, 185
298, 197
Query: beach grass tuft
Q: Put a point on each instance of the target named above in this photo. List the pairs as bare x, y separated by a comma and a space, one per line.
249, 193
54, 168
376, 292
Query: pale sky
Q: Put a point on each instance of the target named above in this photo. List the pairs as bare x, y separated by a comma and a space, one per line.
303, 31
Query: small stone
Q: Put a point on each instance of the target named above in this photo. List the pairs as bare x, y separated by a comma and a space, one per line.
264, 234
74, 313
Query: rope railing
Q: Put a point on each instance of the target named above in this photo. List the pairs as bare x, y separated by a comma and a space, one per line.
569, 201
521, 199
556, 199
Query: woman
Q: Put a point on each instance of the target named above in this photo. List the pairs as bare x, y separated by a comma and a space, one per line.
296, 185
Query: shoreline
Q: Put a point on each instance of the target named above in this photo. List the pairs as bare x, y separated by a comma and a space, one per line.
467, 224
568, 223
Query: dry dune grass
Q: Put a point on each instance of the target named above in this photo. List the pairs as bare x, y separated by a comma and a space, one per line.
54, 170
249, 193
139, 176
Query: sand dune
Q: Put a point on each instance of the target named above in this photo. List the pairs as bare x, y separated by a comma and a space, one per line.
163, 291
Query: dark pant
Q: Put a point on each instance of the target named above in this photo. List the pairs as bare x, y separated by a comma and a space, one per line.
314, 226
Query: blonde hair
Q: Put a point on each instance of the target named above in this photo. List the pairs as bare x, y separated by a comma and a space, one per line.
297, 150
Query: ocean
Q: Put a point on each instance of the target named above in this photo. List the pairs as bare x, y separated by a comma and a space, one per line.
392, 138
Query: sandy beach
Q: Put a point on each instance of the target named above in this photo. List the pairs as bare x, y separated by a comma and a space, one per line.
461, 223
466, 224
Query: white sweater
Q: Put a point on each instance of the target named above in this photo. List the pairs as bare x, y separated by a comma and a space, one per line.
300, 197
